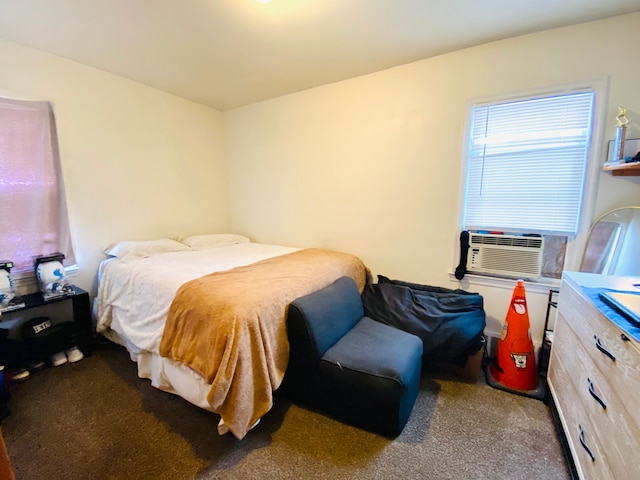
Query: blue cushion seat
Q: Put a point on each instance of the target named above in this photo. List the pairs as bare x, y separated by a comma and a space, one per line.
349, 366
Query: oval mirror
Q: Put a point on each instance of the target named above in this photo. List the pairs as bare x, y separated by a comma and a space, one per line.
612, 247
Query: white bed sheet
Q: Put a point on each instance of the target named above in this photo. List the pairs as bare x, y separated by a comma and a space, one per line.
134, 299
134, 296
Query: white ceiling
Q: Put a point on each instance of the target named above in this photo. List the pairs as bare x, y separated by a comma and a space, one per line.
228, 53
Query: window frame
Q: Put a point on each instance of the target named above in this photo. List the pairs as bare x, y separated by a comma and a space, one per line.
596, 157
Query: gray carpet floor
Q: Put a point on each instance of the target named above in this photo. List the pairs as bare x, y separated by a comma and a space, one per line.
96, 419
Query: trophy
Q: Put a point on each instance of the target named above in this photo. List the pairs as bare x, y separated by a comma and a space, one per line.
621, 130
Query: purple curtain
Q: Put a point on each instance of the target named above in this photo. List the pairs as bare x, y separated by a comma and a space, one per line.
33, 212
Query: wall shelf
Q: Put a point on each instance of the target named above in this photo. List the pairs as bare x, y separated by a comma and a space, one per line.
623, 169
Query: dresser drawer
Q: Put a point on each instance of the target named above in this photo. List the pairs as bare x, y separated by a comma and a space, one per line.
576, 426
603, 342
589, 380
615, 431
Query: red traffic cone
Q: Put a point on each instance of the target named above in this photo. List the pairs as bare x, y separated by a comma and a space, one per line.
515, 365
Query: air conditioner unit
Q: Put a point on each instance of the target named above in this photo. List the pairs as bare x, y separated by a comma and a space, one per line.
512, 255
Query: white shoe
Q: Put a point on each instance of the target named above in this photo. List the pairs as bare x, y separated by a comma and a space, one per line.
36, 365
19, 375
74, 354
58, 359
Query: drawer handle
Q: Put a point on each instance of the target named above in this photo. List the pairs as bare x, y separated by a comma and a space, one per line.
600, 347
595, 395
584, 444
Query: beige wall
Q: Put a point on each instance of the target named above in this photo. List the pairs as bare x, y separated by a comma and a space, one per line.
369, 165
372, 165
138, 163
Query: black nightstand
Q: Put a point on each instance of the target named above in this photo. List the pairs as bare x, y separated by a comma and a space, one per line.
83, 336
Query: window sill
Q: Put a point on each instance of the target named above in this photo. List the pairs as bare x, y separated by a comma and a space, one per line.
538, 285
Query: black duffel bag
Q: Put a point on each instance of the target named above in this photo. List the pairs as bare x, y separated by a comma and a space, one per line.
449, 322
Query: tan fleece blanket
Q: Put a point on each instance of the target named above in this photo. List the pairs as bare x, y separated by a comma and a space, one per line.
231, 327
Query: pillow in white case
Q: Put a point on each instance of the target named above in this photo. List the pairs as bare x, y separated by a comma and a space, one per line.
213, 240
144, 248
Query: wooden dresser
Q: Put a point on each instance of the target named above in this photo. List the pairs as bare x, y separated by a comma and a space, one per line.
594, 380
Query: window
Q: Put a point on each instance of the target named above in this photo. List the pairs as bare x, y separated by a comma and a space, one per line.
527, 163
33, 210
530, 169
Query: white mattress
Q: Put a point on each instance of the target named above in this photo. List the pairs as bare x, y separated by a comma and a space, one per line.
134, 299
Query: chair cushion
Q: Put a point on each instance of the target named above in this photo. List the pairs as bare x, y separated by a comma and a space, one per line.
374, 349
317, 321
371, 377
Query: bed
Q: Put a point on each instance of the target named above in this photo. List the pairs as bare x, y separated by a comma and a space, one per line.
204, 318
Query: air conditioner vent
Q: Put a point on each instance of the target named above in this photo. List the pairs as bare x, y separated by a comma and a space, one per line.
512, 255
506, 240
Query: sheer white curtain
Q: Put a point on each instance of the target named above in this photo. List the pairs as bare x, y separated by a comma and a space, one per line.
33, 212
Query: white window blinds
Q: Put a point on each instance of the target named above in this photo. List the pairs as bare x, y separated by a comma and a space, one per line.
527, 163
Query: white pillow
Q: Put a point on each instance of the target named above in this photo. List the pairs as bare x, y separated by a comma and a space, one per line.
143, 248
213, 240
